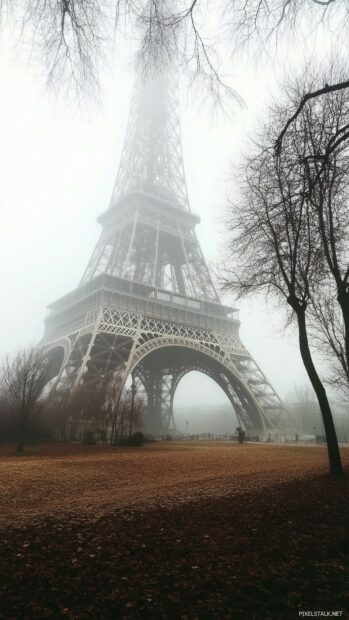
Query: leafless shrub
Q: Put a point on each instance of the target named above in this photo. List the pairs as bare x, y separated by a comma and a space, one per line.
22, 381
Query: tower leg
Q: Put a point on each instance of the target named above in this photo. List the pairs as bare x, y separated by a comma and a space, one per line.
87, 355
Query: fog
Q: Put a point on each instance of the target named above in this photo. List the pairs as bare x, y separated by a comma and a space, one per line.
59, 160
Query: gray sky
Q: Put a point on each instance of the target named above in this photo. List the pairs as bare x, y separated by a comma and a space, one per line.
58, 166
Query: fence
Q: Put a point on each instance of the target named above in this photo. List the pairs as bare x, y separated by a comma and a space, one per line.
270, 438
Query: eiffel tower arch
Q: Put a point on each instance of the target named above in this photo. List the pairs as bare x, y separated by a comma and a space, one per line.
146, 304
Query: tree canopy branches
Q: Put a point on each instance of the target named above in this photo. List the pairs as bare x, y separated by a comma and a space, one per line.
73, 36
290, 226
22, 381
307, 97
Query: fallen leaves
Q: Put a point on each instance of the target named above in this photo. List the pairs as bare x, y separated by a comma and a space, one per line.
259, 539
60, 478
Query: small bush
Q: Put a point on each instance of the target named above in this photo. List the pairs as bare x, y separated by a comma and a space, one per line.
136, 440
89, 438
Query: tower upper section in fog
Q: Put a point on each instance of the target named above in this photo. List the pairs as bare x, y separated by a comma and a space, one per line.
148, 231
151, 160
146, 304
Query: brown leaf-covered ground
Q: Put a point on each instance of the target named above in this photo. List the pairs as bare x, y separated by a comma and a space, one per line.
172, 530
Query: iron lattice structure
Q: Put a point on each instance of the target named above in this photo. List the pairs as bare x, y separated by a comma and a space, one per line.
146, 304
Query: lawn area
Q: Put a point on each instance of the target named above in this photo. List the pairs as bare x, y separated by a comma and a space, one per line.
172, 530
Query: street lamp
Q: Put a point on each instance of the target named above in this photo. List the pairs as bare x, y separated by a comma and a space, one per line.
187, 429
314, 429
133, 391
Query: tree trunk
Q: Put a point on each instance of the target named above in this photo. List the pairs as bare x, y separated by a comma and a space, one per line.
112, 434
331, 436
343, 300
21, 436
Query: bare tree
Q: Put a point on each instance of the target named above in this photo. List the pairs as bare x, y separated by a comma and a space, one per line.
75, 406
327, 128
73, 35
323, 124
6, 421
22, 381
97, 413
328, 336
276, 243
98, 409
67, 413
124, 414
57, 408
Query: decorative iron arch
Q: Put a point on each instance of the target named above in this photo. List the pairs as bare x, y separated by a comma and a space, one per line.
56, 367
232, 381
206, 371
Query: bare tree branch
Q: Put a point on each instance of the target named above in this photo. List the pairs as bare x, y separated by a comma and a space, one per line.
307, 97
72, 36
283, 231
22, 381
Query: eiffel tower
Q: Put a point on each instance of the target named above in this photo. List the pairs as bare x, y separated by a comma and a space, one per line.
146, 305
